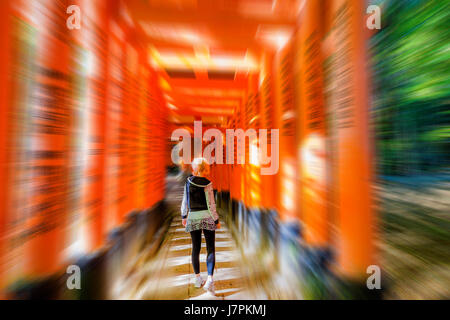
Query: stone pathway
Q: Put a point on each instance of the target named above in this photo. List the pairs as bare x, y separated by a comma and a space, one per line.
169, 274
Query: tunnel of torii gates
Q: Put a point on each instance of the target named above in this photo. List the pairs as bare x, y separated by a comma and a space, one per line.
85, 132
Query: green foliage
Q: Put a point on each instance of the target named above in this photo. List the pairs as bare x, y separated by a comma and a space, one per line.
411, 64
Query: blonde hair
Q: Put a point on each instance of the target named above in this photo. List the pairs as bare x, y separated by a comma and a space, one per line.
199, 165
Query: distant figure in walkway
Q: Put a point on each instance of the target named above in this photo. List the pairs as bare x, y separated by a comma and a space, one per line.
198, 211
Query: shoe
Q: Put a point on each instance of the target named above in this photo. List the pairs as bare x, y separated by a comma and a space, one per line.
199, 282
209, 286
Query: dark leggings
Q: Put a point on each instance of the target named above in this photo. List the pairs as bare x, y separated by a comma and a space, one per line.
210, 249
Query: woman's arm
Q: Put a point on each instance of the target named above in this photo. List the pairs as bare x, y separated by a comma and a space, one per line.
211, 202
184, 211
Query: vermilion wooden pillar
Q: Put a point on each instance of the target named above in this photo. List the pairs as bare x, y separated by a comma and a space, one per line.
312, 134
253, 183
225, 170
270, 118
48, 143
151, 146
124, 136
349, 104
159, 118
141, 123
238, 189
133, 113
284, 104
163, 128
5, 57
96, 31
113, 150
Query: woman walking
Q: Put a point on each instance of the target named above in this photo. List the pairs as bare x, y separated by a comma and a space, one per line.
198, 213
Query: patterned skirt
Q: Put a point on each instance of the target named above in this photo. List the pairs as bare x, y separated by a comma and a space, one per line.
207, 223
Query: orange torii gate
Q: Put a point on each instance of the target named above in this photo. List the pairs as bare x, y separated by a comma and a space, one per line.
352, 155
